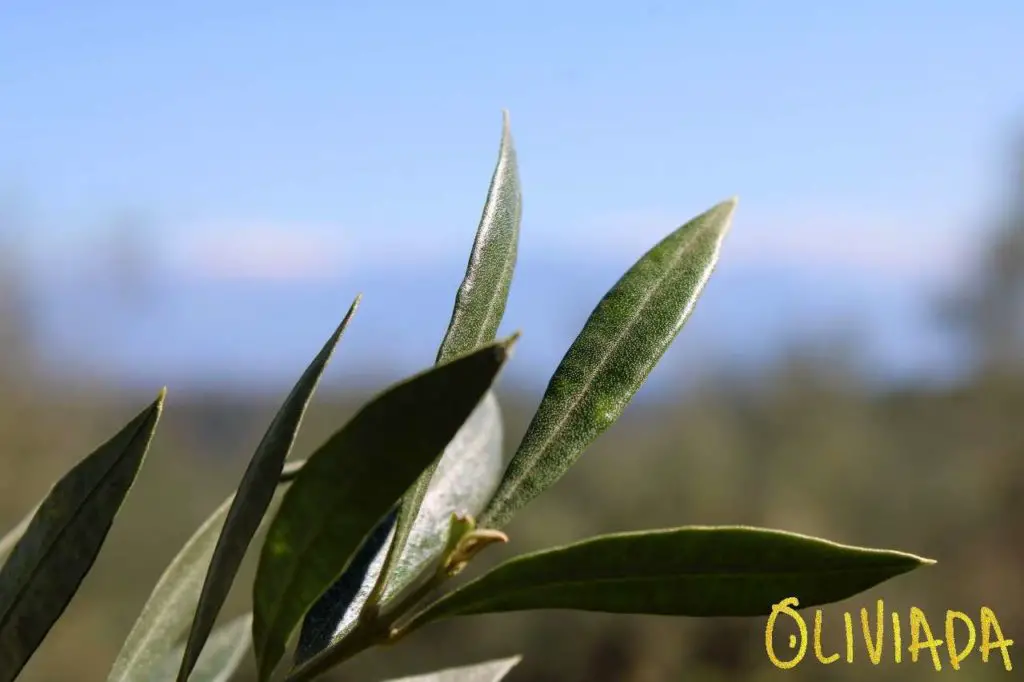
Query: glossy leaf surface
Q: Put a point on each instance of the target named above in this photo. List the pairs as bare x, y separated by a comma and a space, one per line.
351, 482
60, 544
336, 611
689, 571
466, 477
254, 494
625, 336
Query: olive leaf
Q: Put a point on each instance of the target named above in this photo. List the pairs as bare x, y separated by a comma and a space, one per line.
351, 482
623, 339
479, 306
249, 504
481, 298
689, 571
337, 610
405, 541
222, 655
51, 558
467, 474
171, 606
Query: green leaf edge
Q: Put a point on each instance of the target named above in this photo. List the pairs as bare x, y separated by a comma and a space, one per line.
443, 607
253, 497
510, 496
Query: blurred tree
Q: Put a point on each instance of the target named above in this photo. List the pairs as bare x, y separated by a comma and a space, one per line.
989, 312
17, 328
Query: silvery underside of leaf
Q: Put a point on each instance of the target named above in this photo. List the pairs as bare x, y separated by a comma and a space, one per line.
466, 477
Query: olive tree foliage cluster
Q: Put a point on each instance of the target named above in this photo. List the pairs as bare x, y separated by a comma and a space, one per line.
359, 540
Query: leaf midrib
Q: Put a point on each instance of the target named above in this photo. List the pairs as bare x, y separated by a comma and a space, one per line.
490, 211
566, 584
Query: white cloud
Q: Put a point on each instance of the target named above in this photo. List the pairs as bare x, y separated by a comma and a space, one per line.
918, 249
257, 253
293, 252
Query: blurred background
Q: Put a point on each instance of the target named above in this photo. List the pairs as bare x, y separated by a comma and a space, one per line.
192, 193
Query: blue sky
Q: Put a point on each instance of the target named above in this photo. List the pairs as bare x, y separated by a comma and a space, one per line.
289, 142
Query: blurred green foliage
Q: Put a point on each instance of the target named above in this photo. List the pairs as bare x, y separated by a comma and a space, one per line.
939, 472
805, 447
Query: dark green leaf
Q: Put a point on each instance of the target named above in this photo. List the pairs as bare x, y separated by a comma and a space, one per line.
254, 494
171, 606
222, 654
491, 671
61, 543
619, 345
479, 307
467, 474
334, 614
348, 485
690, 571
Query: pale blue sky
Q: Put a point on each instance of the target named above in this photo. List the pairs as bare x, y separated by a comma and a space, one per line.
868, 136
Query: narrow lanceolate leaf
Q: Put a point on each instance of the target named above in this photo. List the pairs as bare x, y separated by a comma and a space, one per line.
480, 300
690, 571
467, 475
348, 485
479, 307
8, 541
254, 495
623, 339
222, 654
61, 543
491, 671
170, 608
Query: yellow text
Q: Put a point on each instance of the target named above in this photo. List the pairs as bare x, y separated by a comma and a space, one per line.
960, 636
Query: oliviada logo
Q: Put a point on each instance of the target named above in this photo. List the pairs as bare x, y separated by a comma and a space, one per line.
960, 634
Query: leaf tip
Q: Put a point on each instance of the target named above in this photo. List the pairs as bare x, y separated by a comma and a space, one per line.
910, 562
351, 310
509, 343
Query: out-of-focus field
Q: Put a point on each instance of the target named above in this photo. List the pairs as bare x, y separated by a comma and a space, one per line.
805, 448
808, 445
